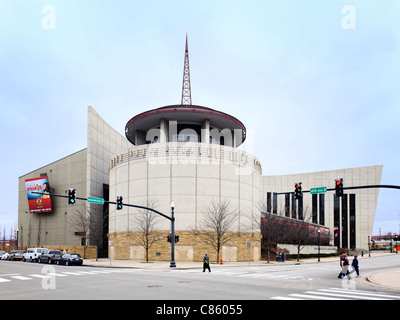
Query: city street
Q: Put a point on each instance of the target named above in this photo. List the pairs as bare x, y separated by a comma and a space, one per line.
23, 280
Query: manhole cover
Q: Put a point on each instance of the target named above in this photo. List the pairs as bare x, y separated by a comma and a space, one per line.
154, 286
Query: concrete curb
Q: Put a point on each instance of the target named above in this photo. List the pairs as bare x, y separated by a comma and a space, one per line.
390, 279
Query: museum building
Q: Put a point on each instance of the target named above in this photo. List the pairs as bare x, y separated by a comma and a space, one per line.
189, 155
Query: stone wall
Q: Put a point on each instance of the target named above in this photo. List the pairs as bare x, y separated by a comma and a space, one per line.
191, 247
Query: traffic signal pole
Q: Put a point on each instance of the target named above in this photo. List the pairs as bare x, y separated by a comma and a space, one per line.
171, 218
354, 187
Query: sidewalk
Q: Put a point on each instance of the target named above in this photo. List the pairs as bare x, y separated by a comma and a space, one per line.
388, 279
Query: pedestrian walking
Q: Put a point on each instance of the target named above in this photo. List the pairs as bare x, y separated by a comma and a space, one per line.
345, 266
354, 264
206, 263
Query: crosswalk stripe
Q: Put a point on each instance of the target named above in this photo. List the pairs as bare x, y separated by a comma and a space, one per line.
4, 280
310, 296
375, 294
286, 298
248, 274
21, 278
338, 294
73, 273
42, 276
343, 295
55, 274
88, 272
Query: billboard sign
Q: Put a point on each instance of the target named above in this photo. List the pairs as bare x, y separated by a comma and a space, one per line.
38, 203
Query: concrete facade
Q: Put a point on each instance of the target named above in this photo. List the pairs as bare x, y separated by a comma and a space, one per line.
53, 228
365, 204
193, 175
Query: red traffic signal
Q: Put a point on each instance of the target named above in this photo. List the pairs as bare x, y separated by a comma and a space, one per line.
297, 191
339, 187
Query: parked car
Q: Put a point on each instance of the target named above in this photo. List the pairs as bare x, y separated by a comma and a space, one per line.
16, 255
5, 256
32, 254
70, 259
50, 256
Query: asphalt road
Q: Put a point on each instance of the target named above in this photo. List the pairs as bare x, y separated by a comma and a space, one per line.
25, 281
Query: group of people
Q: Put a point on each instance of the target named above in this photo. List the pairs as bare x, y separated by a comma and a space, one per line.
280, 257
344, 264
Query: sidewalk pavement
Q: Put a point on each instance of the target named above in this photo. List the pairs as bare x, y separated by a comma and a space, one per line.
388, 279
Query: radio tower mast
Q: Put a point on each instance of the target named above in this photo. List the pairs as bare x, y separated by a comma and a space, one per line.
186, 90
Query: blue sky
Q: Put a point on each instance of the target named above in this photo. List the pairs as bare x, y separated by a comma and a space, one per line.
316, 95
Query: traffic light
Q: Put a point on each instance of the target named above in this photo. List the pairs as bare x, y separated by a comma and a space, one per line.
71, 196
169, 238
339, 187
119, 203
297, 191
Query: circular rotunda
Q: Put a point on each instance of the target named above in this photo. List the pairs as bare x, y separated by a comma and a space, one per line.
187, 154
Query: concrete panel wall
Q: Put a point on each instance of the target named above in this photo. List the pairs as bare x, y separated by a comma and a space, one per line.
54, 228
190, 174
366, 199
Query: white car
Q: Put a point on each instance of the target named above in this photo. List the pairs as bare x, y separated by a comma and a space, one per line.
5, 256
33, 254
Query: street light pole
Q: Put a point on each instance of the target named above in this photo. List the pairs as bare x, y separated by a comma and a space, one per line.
319, 241
172, 265
369, 247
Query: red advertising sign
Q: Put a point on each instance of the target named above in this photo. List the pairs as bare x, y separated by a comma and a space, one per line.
41, 202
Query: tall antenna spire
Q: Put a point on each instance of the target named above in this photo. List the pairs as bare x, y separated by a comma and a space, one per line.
186, 90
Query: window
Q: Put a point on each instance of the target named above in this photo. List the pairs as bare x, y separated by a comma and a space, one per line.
287, 205
336, 221
268, 202
352, 221
315, 208
322, 209
345, 242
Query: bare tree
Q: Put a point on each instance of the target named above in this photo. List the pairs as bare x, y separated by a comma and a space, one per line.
216, 226
88, 223
39, 229
96, 222
145, 220
21, 235
302, 232
4, 236
272, 227
30, 232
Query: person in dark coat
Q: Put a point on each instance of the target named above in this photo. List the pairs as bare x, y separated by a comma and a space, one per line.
206, 263
354, 264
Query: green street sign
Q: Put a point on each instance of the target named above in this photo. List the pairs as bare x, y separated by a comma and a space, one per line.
95, 200
318, 190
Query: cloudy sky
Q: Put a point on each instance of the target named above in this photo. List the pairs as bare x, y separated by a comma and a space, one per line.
316, 82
